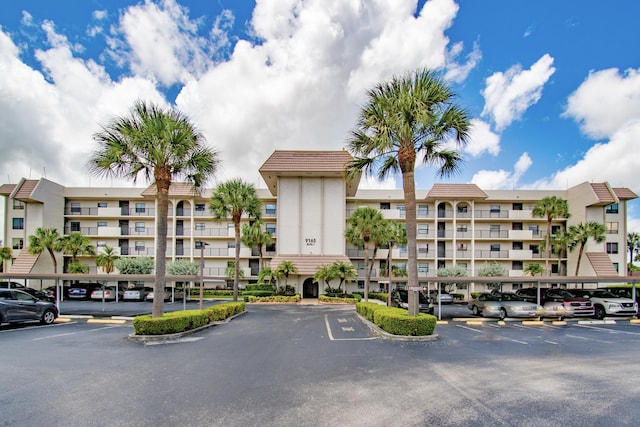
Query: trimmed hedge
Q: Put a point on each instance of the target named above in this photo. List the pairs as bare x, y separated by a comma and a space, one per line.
258, 293
346, 300
397, 321
259, 287
211, 293
273, 298
380, 296
181, 321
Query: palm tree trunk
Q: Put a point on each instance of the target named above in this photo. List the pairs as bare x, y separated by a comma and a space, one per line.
367, 277
547, 247
579, 258
236, 269
55, 262
162, 200
407, 164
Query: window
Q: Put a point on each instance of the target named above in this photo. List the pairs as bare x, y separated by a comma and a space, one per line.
231, 245
270, 209
517, 246
385, 206
555, 229
18, 223
612, 209
200, 226
102, 204
423, 210
516, 226
101, 244
423, 267
495, 247
494, 228
462, 228
517, 265
423, 248
616, 266
401, 211
139, 245
612, 227
462, 246
463, 208
139, 227
200, 207
534, 229
516, 206
271, 228
17, 243
271, 247
75, 208
18, 205
102, 223
494, 209
612, 247
535, 249
423, 230
74, 226
140, 208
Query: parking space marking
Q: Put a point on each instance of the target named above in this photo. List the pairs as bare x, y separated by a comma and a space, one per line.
75, 333
611, 331
551, 342
36, 326
588, 339
344, 329
468, 328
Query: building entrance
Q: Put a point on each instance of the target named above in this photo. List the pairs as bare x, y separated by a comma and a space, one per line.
309, 289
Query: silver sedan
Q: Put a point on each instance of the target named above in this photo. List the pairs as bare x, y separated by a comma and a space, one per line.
503, 306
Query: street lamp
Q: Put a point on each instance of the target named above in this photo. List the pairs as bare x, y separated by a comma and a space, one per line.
202, 245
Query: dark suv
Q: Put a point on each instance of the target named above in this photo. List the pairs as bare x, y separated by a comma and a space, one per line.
401, 299
33, 292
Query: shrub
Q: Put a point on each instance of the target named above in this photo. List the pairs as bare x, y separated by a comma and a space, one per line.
286, 290
380, 296
181, 321
397, 321
259, 287
342, 298
273, 298
258, 293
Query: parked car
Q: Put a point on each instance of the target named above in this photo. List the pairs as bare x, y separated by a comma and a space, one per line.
531, 294
19, 306
503, 305
11, 285
52, 291
82, 290
109, 292
31, 291
445, 297
573, 305
606, 303
178, 294
550, 308
136, 294
401, 299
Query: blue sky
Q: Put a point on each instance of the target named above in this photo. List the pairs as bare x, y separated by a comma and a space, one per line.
553, 87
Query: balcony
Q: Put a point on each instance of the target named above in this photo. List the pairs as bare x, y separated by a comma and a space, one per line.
520, 254
212, 232
488, 234
75, 211
487, 253
520, 234
491, 214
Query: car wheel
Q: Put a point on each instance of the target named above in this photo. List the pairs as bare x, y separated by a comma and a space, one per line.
599, 312
475, 310
503, 314
48, 317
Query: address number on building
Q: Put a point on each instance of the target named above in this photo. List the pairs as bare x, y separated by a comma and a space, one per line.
310, 241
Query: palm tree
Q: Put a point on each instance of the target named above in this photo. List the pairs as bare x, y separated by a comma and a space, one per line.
366, 227
345, 271
162, 145
285, 269
75, 244
533, 269
580, 235
233, 199
254, 235
551, 208
45, 239
107, 260
405, 119
5, 255
559, 245
267, 275
633, 245
324, 273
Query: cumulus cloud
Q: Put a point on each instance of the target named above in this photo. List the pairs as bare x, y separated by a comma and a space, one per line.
482, 139
605, 102
502, 179
458, 72
508, 95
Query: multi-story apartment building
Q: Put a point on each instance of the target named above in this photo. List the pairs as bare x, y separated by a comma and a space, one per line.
306, 203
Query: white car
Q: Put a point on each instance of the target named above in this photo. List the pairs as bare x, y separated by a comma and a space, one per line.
607, 304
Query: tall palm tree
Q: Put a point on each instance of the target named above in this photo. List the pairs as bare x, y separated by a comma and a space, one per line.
45, 239
551, 208
75, 244
5, 255
633, 245
162, 145
366, 227
233, 199
580, 235
254, 235
559, 246
409, 118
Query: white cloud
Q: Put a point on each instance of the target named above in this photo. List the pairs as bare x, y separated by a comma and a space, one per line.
100, 14
502, 179
605, 102
482, 139
457, 72
508, 95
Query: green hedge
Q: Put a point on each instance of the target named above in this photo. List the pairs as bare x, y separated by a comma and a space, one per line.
397, 321
260, 287
258, 293
210, 293
326, 298
181, 321
273, 298
380, 296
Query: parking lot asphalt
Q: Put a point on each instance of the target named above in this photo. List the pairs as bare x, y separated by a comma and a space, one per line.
127, 309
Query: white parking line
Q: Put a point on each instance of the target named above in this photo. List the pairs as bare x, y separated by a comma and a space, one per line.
551, 342
470, 329
37, 326
75, 333
588, 339
611, 331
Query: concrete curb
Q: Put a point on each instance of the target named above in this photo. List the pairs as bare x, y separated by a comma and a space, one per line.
172, 337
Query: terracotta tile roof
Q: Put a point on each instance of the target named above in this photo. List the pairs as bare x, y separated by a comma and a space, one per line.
307, 163
25, 188
177, 189
604, 193
23, 263
307, 264
624, 193
601, 264
6, 189
456, 191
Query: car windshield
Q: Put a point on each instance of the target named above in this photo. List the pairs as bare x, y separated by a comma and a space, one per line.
511, 297
562, 294
603, 294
